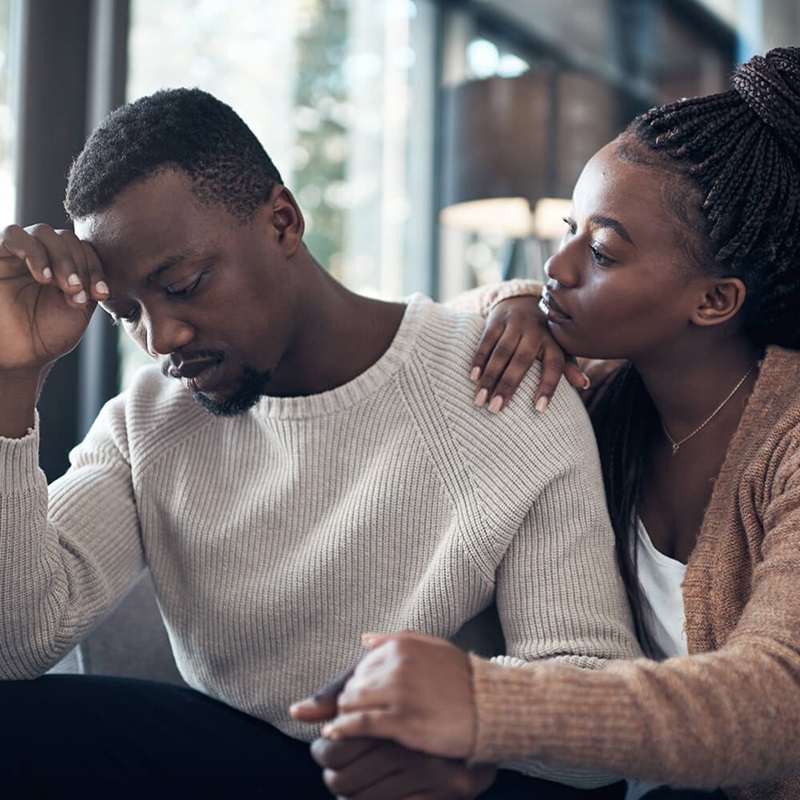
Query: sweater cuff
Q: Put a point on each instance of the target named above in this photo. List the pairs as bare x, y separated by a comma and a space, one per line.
497, 699
19, 461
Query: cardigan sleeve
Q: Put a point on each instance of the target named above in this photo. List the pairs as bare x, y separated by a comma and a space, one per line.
727, 717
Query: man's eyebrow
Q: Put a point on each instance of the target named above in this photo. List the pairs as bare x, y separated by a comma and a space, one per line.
617, 227
168, 263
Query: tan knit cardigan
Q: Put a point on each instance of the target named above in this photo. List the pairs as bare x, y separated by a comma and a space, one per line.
729, 713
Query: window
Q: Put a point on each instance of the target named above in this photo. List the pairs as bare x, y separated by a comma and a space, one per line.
329, 88
7, 116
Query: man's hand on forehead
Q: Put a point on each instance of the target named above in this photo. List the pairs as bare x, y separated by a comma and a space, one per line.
50, 283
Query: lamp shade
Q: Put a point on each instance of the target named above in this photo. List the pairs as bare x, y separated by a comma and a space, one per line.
508, 142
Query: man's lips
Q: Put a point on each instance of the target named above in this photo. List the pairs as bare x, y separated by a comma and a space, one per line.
551, 308
200, 375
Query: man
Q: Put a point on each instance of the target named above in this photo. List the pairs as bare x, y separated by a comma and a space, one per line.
342, 482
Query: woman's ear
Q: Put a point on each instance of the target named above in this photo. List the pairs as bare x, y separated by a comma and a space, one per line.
286, 219
720, 301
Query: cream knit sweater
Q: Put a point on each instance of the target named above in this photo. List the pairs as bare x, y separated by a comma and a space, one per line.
275, 538
729, 713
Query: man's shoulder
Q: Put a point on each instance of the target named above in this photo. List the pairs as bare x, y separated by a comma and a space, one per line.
443, 357
152, 414
446, 335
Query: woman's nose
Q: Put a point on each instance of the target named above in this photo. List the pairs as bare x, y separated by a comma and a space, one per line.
561, 266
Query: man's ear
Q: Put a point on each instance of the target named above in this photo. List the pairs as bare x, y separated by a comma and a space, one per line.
286, 219
720, 301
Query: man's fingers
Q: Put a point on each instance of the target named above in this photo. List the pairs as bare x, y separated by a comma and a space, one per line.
322, 704
372, 724
65, 260
337, 755
19, 245
98, 287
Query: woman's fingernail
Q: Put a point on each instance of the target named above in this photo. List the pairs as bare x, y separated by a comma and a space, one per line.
74, 280
47, 273
541, 404
80, 297
586, 382
475, 374
481, 398
496, 404
101, 287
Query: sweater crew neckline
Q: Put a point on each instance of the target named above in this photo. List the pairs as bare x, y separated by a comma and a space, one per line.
368, 382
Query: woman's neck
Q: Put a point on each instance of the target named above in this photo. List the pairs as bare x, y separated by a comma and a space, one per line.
706, 383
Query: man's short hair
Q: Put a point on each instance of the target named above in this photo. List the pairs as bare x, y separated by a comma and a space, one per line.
184, 129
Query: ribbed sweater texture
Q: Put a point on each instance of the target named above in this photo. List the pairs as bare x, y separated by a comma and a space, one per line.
276, 537
729, 713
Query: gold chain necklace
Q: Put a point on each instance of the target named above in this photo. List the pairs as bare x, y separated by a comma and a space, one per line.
677, 445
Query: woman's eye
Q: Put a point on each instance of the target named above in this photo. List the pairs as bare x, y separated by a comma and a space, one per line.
183, 288
570, 223
599, 257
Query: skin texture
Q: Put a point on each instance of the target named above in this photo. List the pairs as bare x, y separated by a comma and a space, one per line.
618, 287
233, 310
49, 285
177, 269
505, 353
414, 689
375, 769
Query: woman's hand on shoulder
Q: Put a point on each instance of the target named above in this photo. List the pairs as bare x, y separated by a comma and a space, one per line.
514, 337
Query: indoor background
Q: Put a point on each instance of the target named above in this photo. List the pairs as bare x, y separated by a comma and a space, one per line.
431, 143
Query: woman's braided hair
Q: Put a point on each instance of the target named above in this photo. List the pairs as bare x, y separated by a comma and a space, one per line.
740, 151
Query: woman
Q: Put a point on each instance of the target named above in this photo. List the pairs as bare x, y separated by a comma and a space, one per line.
680, 259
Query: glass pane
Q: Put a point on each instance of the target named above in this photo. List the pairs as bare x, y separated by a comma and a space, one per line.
553, 81
327, 88
7, 116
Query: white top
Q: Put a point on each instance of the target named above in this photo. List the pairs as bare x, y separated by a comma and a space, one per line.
660, 578
275, 538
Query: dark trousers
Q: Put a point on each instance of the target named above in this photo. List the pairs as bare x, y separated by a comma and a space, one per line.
103, 737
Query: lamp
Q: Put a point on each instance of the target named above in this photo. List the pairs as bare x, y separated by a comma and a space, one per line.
514, 147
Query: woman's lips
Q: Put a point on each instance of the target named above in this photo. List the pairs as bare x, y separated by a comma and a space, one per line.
551, 309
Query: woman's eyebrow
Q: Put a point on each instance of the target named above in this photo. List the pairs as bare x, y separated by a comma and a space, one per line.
617, 227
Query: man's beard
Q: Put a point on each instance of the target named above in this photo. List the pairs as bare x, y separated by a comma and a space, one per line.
251, 389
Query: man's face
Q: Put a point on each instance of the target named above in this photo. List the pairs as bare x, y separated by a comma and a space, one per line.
208, 297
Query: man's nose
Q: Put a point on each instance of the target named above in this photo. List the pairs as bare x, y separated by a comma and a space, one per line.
166, 334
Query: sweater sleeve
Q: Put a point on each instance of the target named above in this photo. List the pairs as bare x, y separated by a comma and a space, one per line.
65, 554
559, 593
726, 717
482, 299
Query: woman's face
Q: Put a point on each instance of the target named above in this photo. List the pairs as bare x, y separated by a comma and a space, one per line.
619, 285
